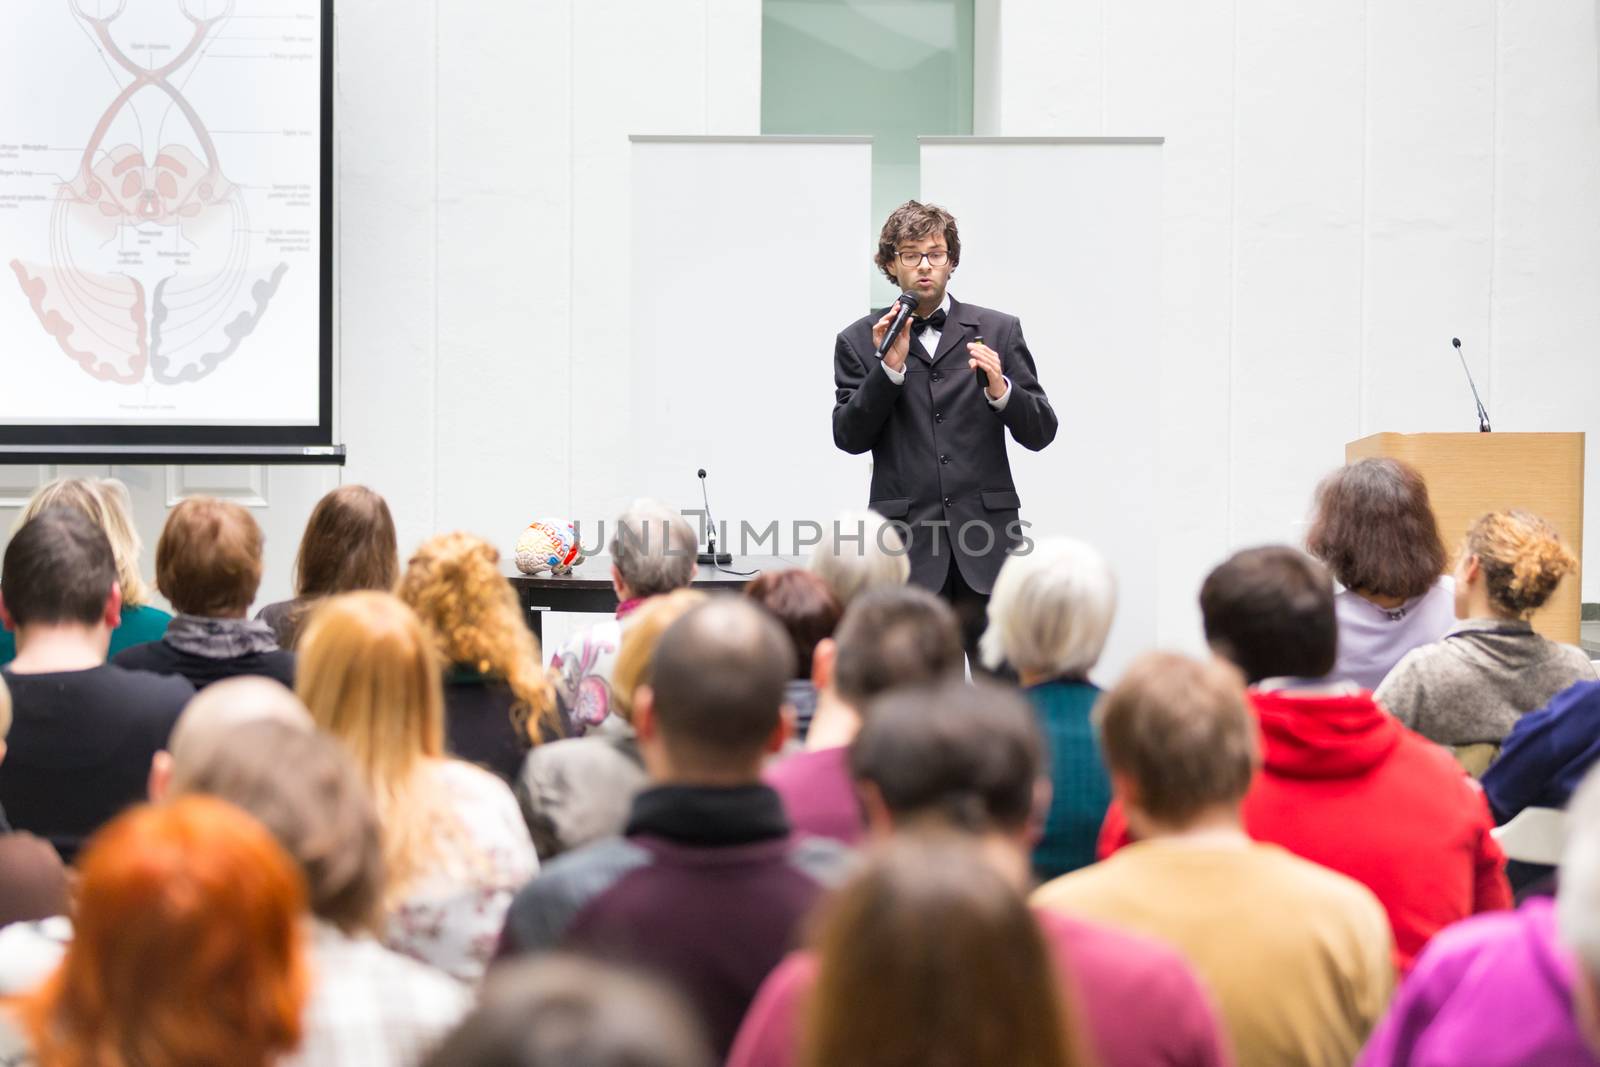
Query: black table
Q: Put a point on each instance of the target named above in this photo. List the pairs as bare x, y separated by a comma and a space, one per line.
587, 590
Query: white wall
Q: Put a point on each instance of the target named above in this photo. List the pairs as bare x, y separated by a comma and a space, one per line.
485, 199
1347, 186
728, 373
484, 192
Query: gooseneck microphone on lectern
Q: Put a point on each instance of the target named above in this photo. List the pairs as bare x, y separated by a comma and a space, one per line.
1483, 415
711, 556
906, 304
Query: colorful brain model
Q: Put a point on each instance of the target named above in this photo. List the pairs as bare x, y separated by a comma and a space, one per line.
548, 545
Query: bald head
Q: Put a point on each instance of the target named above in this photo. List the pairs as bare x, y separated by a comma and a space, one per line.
717, 682
221, 707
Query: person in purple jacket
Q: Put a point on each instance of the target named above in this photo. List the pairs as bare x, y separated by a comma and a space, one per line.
707, 886
1510, 989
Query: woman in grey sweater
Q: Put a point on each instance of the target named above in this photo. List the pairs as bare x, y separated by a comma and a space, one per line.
1470, 687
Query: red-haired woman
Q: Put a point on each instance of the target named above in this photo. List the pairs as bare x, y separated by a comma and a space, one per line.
187, 949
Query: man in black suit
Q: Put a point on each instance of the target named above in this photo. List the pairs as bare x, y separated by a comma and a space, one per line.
934, 422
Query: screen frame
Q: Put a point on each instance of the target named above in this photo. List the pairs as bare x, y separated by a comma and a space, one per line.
191, 435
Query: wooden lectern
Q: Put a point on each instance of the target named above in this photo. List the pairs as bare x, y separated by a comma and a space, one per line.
1469, 474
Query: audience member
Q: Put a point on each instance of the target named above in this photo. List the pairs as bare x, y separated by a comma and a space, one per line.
1547, 754
808, 610
187, 951
1468, 689
1334, 759
1514, 988
1049, 616
105, 501
348, 546
581, 789
215, 712
1300, 957
930, 956
497, 701
652, 552
83, 730
208, 565
888, 638
455, 847
1374, 529
33, 883
566, 1011
248, 741
367, 1005
708, 884
876, 557
969, 760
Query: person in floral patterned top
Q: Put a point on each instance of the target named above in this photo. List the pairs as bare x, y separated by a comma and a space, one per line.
652, 552
455, 845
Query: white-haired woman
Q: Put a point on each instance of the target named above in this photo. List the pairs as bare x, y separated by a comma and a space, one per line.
1048, 619
875, 556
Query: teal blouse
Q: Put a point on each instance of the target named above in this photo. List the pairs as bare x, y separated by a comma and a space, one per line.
1080, 787
138, 625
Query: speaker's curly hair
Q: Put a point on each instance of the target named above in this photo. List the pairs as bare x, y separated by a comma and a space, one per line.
1522, 557
914, 221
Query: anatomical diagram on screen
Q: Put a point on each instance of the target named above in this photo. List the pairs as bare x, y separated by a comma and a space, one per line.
159, 211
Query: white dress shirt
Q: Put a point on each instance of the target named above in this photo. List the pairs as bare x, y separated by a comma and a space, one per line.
930, 341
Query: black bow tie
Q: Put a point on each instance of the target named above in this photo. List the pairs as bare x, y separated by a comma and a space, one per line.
936, 320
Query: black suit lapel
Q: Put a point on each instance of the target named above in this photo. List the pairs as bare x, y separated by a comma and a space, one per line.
960, 327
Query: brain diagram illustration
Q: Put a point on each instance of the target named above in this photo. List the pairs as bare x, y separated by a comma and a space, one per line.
150, 272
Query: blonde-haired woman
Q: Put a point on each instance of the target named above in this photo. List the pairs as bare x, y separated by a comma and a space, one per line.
455, 846
106, 502
1468, 689
498, 702
581, 790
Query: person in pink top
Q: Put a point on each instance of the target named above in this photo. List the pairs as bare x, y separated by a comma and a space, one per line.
969, 759
888, 638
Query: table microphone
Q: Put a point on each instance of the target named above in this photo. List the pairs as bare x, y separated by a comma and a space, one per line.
1483, 416
712, 556
907, 304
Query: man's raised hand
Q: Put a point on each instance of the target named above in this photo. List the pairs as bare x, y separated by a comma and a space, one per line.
895, 358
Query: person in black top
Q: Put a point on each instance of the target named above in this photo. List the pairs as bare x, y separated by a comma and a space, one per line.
83, 731
208, 564
498, 700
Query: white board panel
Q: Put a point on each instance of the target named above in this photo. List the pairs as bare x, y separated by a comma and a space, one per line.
748, 256
1066, 234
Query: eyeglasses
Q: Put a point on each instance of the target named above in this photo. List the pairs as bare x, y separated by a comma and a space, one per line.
937, 258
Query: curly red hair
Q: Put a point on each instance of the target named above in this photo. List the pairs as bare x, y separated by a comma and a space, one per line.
455, 586
187, 948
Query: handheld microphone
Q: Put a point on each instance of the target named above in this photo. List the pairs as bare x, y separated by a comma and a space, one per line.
906, 305
1483, 415
711, 556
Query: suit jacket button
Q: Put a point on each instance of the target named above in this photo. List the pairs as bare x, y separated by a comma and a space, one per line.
938, 416
946, 501
944, 459
938, 377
